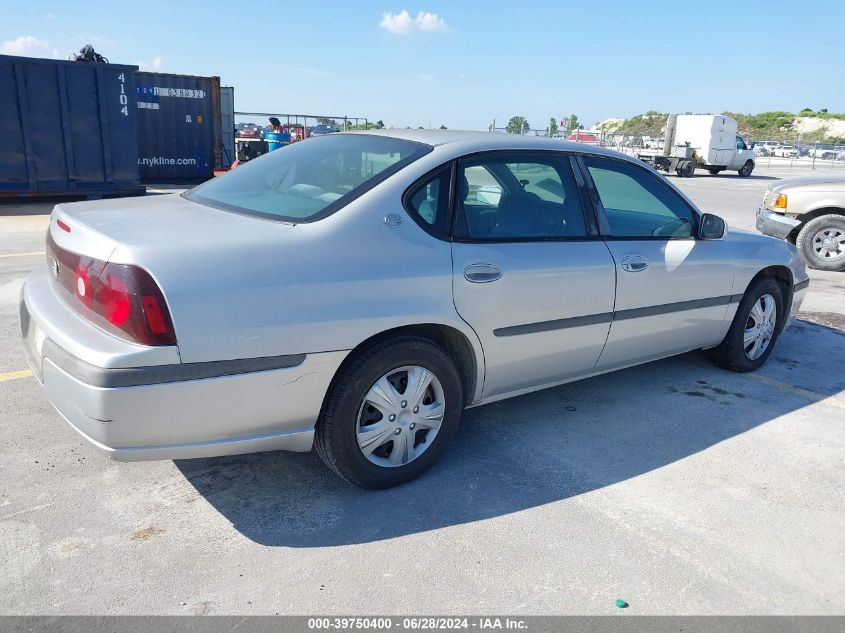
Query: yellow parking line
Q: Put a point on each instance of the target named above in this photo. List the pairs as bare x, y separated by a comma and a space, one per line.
22, 254
798, 391
13, 375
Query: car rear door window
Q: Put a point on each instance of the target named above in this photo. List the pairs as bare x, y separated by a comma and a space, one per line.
505, 196
639, 204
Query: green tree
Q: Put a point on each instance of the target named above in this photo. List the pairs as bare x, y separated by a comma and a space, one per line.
574, 123
379, 124
518, 125
552, 126
823, 110
443, 127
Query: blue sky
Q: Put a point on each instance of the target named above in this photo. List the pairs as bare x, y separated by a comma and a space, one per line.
464, 63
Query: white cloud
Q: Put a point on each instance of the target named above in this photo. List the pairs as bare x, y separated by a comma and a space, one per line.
28, 46
51, 16
155, 64
402, 23
425, 77
430, 22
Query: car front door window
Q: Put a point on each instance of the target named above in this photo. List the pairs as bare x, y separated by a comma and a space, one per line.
638, 204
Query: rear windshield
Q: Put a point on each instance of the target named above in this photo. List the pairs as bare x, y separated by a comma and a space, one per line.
310, 179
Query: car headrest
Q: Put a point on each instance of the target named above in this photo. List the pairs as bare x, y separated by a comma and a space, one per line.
520, 212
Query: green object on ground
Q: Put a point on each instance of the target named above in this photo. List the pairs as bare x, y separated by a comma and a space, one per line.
621, 603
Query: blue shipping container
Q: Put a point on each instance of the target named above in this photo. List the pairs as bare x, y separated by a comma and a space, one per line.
179, 136
67, 128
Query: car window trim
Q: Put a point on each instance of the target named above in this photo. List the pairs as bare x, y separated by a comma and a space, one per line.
604, 223
566, 158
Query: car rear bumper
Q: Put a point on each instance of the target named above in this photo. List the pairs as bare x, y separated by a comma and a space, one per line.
775, 224
176, 411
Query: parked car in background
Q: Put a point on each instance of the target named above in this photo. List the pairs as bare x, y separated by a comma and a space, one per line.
251, 130
763, 148
357, 292
323, 129
785, 151
828, 151
808, 211
652, 142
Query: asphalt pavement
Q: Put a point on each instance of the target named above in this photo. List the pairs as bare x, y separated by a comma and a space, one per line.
677, 486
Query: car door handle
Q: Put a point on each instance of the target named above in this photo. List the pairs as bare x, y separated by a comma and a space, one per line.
634, 263
482, 273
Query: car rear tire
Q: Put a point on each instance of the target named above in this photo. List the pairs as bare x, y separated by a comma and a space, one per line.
822, 242
746, 169
390, 413
755, 328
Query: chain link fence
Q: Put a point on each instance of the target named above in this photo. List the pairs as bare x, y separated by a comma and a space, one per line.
783, 152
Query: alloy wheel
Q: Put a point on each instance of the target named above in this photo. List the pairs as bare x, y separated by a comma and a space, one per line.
829, 244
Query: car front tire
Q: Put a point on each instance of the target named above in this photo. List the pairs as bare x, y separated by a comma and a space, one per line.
390, 413
758, 322
746, 169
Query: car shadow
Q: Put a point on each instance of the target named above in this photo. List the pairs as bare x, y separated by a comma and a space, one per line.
527, 451
735, 175
730, 175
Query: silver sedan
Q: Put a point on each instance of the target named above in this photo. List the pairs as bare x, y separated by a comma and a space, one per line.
356, 292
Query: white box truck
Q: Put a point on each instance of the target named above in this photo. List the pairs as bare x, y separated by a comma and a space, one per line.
708, 141
714, 141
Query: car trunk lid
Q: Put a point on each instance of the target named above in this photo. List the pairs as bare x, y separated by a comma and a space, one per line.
120, 229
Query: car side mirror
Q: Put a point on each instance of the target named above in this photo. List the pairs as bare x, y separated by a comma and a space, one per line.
712, 227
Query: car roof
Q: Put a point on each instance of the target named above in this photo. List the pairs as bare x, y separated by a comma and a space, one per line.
465, 141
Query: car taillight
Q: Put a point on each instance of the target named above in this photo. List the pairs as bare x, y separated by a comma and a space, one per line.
780, 201
121, 298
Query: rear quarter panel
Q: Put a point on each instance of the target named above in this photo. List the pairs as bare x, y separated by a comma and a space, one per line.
318, 287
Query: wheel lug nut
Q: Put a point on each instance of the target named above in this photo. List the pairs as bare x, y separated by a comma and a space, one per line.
397, 431
404, 403
392, 417
412, 426
416, 409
